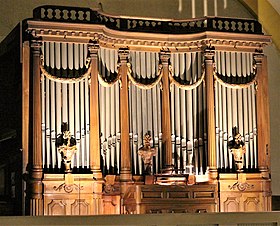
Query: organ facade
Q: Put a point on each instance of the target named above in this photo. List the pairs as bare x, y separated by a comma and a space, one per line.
151, 106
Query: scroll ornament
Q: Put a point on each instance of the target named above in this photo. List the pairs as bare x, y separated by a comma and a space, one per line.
241, 186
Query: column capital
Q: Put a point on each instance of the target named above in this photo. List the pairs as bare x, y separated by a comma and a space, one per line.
35, 45
164, 56
93, 48
123, 54
209, 53
258, 57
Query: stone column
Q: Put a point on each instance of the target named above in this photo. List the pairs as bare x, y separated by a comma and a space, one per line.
166, 121
210, 106
36, 185
263, 121
125, 172
94, 113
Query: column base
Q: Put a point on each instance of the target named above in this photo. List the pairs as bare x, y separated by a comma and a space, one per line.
97, 174
125, 175
213, 174
263, 168
36, 207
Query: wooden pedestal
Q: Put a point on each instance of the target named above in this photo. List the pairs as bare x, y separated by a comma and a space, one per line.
72, 194
245, 192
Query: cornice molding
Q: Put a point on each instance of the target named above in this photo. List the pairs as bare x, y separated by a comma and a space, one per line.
82, 33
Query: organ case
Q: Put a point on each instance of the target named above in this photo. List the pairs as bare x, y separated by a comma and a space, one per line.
186, 84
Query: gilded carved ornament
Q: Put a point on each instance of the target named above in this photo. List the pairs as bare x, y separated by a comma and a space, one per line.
68, 188
237, 86
237, 149
65, 80
241, 186
183, 86
147, 152
66, 146
111, 83
144, 86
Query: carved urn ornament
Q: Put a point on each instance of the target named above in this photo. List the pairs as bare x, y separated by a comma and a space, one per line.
147, 153
66, 146
237, 148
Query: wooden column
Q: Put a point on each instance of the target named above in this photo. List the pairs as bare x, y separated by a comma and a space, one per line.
25, 114
36, 196
94, 112
166, 121
210, 106
125, 172
263, 121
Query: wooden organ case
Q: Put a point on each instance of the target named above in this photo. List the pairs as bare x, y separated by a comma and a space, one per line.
152, 106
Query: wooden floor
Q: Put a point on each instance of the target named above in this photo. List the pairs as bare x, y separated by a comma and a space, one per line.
242, 219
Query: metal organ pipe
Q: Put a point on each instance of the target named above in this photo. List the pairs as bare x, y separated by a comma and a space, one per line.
245, 107
240, 106
219, 165
58, 98
109, 111
112, 110
47, 101
144, 114
182, 74
187, 114
64, 102
198, 163
224, 113
200, 114
239, 94
189, 77
229, 106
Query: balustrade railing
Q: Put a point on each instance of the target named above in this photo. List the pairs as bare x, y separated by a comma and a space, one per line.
87, 15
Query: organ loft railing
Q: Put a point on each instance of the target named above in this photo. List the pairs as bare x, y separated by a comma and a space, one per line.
113, 90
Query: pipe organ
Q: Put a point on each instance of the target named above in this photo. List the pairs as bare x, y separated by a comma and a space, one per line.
236, 106
183, 92
64, 101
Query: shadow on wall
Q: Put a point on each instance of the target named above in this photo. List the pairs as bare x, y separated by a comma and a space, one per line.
276, 203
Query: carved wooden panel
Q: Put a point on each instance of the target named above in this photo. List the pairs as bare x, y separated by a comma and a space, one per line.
111, 204
172, 199
230, 204
251, 203
244, 192
80, 207
76, 198
56, 207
